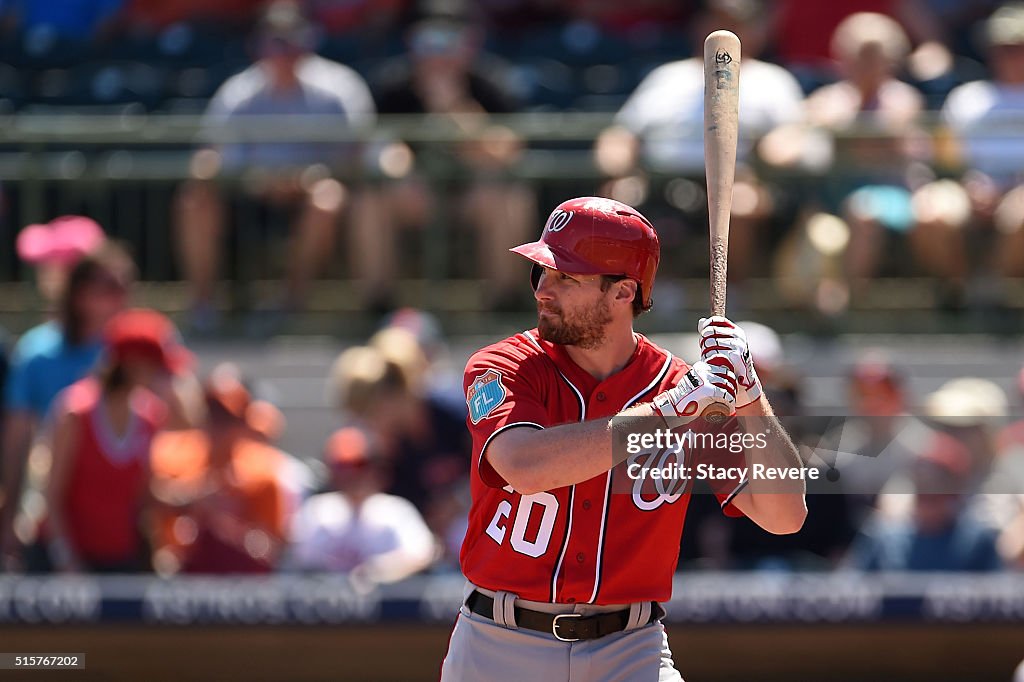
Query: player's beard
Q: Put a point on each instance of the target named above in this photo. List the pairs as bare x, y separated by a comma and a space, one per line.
584, 328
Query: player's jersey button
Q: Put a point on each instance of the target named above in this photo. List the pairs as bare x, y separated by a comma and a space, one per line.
580, 557
586, 504
601, 395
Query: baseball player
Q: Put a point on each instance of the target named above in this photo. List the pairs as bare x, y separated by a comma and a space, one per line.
564, 574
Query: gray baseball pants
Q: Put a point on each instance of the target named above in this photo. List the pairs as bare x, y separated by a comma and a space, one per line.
497, 651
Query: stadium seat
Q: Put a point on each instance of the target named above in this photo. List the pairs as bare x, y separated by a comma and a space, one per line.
41, 49
550, 83
51, 86
122, 83
12, 86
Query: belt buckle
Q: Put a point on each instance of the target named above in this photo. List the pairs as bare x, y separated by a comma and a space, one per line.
554, 626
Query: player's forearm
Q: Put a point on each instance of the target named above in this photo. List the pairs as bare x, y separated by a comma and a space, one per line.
777, 506
535, 460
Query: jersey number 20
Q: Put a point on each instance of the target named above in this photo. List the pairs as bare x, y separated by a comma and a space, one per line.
533, 548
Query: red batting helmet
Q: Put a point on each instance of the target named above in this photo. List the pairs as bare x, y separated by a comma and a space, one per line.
596, 236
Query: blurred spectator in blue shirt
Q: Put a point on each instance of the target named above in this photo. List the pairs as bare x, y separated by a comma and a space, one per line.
51, 357
938, 535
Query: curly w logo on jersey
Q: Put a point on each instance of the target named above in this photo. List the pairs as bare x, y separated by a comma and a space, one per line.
559, 219
484, 395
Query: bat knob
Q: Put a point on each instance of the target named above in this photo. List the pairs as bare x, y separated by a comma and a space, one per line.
716, 413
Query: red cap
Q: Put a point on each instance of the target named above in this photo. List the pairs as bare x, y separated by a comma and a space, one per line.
141, 331
597, 236
63, 241
348, 447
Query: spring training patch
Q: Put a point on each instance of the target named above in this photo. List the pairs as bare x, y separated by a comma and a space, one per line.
485, 394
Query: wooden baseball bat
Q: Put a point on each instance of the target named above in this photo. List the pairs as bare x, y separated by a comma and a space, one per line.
721, 122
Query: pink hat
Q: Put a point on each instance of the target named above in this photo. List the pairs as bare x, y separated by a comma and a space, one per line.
62, 241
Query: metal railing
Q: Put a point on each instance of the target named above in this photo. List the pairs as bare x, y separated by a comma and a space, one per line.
123, 169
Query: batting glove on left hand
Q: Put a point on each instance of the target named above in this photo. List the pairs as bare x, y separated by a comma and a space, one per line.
723, 343
704, 386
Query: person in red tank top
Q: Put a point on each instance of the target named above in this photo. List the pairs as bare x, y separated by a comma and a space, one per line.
103, 428
561, 546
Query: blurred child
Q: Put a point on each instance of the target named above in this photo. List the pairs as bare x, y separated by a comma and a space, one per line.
224, 503
104, 427
356, 528
383, 388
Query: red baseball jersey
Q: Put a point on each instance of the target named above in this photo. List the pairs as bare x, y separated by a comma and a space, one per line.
580, 543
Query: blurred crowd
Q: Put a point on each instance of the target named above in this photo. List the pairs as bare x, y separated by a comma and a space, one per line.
878, 137
925, 483
120, 455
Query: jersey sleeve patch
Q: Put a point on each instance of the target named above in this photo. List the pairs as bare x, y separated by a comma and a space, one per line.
485, 394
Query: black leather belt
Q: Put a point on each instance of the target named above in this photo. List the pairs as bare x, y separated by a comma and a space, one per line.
567, 627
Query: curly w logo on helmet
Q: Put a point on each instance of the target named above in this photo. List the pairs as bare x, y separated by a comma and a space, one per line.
559, 219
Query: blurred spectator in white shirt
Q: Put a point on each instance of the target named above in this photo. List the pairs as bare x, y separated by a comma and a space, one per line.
659, 128
357, 529
873, 114
667, 108
288, 88
980, 215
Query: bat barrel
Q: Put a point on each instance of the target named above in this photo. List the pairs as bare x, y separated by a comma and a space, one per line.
721, 123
